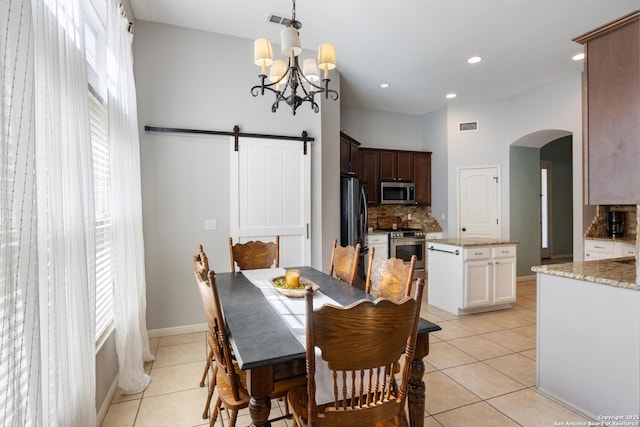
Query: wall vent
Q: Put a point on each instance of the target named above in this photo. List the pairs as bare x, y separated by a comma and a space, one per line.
276, 19
468, 127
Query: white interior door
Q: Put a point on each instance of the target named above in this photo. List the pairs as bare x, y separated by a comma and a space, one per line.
270, 196
479, 202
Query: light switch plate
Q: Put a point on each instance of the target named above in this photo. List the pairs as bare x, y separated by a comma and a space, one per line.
210, 224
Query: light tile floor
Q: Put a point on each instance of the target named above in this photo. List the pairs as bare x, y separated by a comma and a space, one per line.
481, 371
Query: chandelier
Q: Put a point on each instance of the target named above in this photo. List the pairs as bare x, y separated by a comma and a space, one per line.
289, 83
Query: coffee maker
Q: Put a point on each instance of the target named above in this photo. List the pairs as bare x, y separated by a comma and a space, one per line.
615, 224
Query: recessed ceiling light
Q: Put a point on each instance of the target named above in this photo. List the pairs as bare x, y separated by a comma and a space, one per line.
451, 95
384, 85
474, 60
578, 57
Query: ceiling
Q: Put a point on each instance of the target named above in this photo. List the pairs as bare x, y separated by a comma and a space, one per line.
419, 47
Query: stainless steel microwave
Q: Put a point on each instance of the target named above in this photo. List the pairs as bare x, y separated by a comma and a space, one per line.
397, 193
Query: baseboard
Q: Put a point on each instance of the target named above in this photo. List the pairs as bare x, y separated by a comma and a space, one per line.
177, 330
102, 413
523, 278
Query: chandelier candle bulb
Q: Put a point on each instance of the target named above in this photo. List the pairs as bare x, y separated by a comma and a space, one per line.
277, 71
262, 54
310, 70
326, 58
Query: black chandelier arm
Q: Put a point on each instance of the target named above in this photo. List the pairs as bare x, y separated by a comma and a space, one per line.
259, 89
327, 91
292, 81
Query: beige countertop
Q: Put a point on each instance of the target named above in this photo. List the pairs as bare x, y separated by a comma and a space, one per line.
374, 231
610, 272
630, 239
472, 241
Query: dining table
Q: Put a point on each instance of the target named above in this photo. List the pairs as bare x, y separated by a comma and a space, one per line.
266, 347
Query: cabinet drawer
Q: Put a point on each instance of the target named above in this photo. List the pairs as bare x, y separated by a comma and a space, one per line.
625, 249
598, 246
477, 253
504, 252
375, 239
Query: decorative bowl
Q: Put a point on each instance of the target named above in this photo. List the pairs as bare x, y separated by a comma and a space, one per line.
280, 284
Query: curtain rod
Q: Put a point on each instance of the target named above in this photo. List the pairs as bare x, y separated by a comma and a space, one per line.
236, 134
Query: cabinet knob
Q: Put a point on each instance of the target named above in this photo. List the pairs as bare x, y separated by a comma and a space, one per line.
464, 229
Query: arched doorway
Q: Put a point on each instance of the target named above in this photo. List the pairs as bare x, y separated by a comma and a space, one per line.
553, 146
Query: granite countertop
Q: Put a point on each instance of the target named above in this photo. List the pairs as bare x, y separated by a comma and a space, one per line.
472, 241
626, 239
375, 231
619, 272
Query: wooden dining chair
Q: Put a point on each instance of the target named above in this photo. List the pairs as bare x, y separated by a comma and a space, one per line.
362, 345
254, 254
344, 262
389, 278
230, 380
201, 266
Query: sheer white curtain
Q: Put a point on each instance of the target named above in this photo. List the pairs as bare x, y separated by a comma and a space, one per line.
20, 400
132, 343
48, 327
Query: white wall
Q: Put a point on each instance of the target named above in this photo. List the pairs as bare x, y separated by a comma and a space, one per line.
199, 80
488, 146
558, 105
376, 129
434, 139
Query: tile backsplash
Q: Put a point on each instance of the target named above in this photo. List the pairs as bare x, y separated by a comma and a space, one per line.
421, 216
598, 227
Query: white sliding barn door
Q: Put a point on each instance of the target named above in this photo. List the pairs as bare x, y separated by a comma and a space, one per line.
271, 196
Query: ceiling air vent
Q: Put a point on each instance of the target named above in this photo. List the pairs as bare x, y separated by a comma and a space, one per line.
468, 127
275, 19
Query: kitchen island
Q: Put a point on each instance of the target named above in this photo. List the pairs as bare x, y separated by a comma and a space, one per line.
588, 337
471, 275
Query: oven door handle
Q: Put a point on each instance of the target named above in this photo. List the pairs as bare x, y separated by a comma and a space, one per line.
407, 241
456, 252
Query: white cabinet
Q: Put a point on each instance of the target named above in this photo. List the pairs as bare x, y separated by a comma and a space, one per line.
598, 249
605, 249
430, 236
379, 241
471, 279
504, 274
622, 249
588, 353
489, 276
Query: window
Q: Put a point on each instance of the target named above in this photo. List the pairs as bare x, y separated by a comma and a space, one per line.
102, 188
95, 53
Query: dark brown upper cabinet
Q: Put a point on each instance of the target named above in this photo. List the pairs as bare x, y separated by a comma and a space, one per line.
422, 175
396, 165
349, 156
380, 165
371, 174
611, 112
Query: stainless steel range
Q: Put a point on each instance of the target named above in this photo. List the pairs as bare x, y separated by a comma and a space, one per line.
405, 242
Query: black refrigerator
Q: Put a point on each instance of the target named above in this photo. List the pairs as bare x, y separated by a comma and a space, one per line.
353, 216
